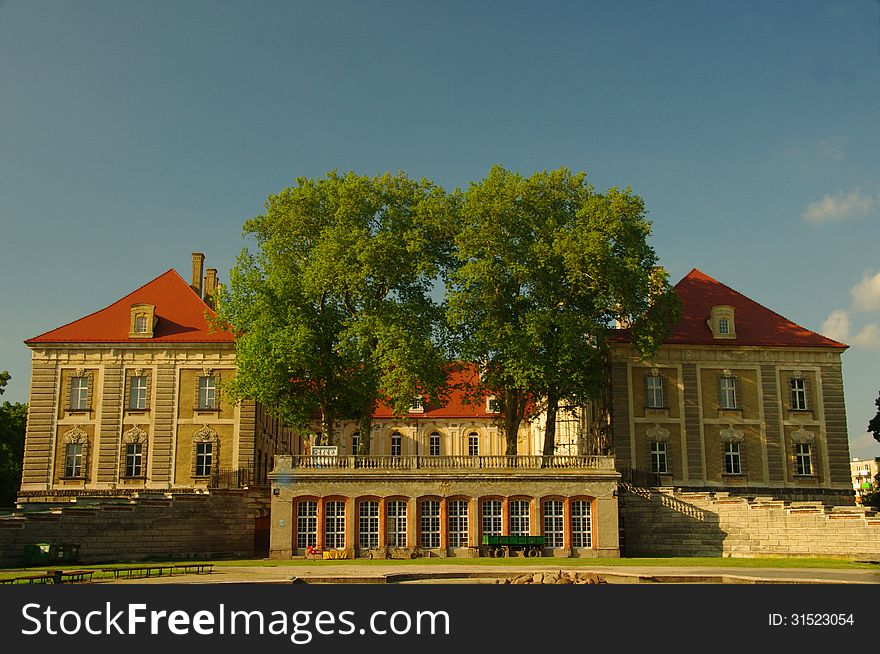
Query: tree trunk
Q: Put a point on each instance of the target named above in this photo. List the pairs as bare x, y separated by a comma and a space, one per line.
512, 419
366, 429
328, 433
550, 428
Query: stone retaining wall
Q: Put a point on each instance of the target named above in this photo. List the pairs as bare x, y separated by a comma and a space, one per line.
664, 523
220, 525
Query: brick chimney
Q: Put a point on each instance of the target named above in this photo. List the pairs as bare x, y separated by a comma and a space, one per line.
198, 265
211, 287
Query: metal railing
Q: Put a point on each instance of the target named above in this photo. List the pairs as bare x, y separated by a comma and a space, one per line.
382, 462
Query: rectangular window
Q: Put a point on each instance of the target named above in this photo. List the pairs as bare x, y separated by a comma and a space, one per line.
491, 517
724, 326
140, 324
306, 524
473, 444
493, 405
334, 525
396, 444
658, 458
416, 404
798, 390
458, 523
519, 518
434, 445
727, 392
553, 523
731, 459
204, 456
397, 523
430, 523
73, 459
654, 390
79, 393
355, 442
581, 524
368, 525
803, 458
134, 457
138, 393
207, 393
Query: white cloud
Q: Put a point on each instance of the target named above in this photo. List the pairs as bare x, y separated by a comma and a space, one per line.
832, 209
866, 294
836, 326
868, 338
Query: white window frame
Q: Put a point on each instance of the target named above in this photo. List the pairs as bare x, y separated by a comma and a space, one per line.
355, 442
397, 525
659, 459
797, 388
204, 459
554, 523
457, 518
207, 393
655, 397
490, 514
134, 460
727, 395
803, 459
334, 525
581, 523
732, 459
396, 444
473, 444
724, 326
520, 517
140, 324
137, 400
79, 393
368, 525
73, 460
434, 444
429, 517
306, 524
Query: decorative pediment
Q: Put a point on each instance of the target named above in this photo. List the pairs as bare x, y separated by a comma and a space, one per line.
803, 436
205, 435
76, 435
657, 433
134, 435
731, 435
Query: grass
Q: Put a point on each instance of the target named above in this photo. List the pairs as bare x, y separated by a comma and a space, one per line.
544, 562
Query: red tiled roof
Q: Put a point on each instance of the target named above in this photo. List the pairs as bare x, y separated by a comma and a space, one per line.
181, 313
754, 323
460, 378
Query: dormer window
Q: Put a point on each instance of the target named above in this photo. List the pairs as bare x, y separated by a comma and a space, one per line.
417, 406
493, 405
721, 322
143, 321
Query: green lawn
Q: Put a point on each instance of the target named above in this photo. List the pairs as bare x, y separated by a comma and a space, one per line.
523, 562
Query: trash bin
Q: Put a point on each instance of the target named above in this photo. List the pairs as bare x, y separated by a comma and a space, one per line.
36, 554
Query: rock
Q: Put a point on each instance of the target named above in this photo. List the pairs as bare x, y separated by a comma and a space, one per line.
538, 578
564, 581
550, 578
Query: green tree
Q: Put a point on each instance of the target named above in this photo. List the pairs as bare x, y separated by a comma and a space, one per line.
545, 266
334, 314
13, 420
874, 424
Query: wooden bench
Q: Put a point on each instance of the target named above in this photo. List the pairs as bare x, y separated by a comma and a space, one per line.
73, 576
42, 578
158, 570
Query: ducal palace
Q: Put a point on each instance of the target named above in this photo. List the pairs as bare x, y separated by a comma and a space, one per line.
739, 402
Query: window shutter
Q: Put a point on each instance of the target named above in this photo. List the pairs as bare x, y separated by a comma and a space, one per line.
735, 386
648, 391
720, 392
807, 403
197, 404
85, 459
217, 379
662, 385
126, 399
791, 394
144, 452
195, 451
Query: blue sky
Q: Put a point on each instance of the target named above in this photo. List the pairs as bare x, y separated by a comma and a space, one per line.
134, 133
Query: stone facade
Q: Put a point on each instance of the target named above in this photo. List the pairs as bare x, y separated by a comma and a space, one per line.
667, 523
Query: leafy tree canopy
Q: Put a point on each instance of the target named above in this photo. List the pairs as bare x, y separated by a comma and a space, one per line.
334, 312
874, 424
13, 420
545, 267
